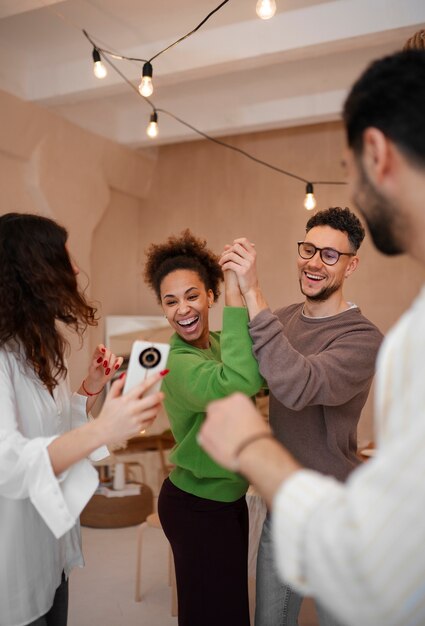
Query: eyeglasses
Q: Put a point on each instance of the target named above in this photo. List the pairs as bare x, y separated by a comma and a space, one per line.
329, 256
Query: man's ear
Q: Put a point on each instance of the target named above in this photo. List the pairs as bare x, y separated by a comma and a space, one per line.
351, 266
378, 155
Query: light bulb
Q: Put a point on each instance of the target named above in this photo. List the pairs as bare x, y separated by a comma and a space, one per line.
152, 129
310, 200
266, 9
146, 86
99, 70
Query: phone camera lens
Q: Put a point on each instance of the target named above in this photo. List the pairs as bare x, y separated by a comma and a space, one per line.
149, 358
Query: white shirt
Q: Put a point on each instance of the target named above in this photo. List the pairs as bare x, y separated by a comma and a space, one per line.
360, 547
39, 530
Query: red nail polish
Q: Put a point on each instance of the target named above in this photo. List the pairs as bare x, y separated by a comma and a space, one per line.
164, 372
103, 350
99, 360
108, 369
122, 375
105, 363
116, 365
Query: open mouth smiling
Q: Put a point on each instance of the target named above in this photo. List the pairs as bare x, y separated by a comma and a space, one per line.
313, 277
189, 322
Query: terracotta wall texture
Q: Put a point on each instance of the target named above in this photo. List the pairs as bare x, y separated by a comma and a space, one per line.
115, 201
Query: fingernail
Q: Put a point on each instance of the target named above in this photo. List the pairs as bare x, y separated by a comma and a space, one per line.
116, 365
108, 369
103, 350
105, 363
164, 372
99, 360
122, 375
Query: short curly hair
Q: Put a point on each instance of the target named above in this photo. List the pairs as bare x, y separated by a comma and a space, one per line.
339, 219
185, 252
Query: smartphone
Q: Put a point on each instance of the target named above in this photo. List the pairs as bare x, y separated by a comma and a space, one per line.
146, 359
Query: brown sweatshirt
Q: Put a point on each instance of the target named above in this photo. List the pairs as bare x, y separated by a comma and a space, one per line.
319, 372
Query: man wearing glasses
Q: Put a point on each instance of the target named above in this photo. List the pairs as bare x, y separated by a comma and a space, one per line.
318, 358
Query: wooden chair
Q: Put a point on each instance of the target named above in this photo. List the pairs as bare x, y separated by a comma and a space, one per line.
153, 521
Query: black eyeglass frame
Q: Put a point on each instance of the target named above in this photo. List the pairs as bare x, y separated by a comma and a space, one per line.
320, 250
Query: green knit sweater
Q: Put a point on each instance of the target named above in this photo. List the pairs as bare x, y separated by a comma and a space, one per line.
196, 378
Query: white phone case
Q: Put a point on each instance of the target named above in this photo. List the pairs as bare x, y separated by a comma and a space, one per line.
146, 358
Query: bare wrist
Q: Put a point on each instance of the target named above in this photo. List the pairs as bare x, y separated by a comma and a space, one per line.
87, 391
255, 301
248, 441
267, 465
96, 434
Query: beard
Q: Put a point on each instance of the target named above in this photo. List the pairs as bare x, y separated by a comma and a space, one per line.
381, 216
323, 294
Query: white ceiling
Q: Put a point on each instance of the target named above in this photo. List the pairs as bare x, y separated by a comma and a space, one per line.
236, 74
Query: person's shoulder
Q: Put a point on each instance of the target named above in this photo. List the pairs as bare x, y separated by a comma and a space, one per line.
179, 346
361, 322
10, 356
360, 318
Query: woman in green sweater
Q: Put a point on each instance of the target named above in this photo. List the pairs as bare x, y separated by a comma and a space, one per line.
202, 506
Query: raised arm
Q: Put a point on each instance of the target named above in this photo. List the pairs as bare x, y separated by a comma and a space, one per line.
241, 259
232, 292
299, 380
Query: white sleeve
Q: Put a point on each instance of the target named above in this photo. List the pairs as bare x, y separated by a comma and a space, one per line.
79, 418
25, 466
358, 547
26, 472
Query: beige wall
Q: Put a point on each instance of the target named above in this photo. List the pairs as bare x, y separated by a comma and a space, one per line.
54, 168
115, 202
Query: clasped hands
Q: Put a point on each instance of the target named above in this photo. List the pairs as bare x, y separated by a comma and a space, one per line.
240, 258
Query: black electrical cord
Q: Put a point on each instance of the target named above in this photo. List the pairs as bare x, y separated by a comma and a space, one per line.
125, 58
105, 55
219, 142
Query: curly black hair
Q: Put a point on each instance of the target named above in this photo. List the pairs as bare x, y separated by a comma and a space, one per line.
185, 252
339, 219
38, 287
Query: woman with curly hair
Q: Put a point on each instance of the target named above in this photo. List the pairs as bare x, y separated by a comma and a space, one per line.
45, 435
202, 506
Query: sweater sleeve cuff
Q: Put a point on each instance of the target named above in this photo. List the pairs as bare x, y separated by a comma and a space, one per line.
235, 314
294, 505
262, 320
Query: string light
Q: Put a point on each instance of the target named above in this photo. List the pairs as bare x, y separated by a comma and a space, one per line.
152, 129
266, 9
310, 200
146, 86
99, 70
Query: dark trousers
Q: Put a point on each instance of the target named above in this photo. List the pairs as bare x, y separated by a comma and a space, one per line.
209, 540
58, 614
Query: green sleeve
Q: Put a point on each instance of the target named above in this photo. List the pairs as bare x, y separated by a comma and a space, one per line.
198, 377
